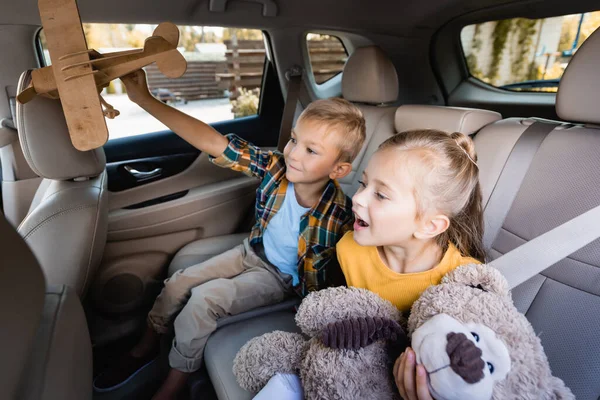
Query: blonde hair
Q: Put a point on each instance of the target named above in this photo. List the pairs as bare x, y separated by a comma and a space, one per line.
450, 184
344, 119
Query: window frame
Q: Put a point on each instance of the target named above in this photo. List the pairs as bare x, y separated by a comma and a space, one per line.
337, 77
469, 75
39, 50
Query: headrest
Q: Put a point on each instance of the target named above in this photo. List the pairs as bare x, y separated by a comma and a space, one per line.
369, 77
46, 143
448, 119
21, 299
579, 89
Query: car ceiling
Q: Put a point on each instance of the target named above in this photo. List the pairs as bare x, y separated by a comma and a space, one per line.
403, 18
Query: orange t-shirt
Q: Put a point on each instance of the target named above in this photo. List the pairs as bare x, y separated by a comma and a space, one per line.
363, 268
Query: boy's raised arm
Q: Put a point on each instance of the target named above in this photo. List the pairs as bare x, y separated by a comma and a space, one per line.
193, 131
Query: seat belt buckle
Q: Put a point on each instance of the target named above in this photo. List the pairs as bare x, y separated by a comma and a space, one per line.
293, 72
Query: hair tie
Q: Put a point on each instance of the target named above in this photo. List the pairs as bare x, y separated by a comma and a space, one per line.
466, 153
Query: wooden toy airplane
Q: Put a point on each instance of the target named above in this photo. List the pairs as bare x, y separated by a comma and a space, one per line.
78, 74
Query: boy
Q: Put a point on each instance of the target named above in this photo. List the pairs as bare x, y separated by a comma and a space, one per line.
301, 213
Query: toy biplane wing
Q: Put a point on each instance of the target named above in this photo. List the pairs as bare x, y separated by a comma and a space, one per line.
78, 74
77, 86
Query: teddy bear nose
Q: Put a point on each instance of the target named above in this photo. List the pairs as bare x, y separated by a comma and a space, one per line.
465, 357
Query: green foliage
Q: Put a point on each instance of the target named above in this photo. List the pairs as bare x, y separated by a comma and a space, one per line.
111, 88
525, 31
535, 72
246, 103
500, 36
476, 41
473, 67
472, 63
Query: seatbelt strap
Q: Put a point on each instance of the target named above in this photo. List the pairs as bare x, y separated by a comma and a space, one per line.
511, 177
538, 254
294, 76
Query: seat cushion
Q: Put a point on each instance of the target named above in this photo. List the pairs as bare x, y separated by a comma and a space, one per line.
224, 344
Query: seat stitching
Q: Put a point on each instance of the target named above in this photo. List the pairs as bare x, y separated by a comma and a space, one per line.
53, 216
87, 270
39, 222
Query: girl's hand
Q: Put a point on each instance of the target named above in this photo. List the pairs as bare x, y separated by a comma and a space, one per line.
411, 379
137, 86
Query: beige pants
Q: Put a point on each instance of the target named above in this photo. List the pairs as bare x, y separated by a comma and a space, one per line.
228, 284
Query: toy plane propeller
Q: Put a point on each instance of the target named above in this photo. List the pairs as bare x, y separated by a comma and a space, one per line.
78, 74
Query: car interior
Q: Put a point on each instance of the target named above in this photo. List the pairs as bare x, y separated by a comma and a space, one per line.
87, 238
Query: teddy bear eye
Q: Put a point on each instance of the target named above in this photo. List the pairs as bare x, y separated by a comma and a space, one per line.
476, 336
491, 368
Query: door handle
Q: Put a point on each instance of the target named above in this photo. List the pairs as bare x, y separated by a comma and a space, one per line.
143, 175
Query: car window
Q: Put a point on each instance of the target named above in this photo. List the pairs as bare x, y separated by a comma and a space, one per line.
327, 56
525, 54
222, 82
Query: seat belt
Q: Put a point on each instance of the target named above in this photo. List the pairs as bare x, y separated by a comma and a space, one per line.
294, 75
538, 254
511, 177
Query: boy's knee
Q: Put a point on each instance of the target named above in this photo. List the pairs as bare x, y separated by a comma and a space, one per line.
210, 296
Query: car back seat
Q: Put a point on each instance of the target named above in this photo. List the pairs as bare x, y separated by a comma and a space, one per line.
563, 302
224, 344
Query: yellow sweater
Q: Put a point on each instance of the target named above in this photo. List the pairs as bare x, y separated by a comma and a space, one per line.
363, 268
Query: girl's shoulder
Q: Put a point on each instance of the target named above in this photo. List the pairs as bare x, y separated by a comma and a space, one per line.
346, 241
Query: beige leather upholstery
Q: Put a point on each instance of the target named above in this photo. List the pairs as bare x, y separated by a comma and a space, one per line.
70, 217
465, 120
370, 80
369, 77
19, 182
21, 300
44, 340
579, 89
449, 119
67, 221
60, 365
46, 143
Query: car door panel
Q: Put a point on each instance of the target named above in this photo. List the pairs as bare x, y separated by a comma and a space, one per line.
213, 209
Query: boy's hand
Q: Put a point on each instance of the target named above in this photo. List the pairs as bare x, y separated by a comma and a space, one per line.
137, 86
195, 132
411, 378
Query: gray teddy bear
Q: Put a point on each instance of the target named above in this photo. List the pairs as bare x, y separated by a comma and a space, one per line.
465, 331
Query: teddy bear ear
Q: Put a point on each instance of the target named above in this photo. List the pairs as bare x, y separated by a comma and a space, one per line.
479, 276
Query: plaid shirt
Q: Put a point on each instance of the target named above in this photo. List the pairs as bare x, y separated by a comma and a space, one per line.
320, 228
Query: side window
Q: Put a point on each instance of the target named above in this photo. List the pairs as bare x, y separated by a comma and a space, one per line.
327, 56
525, 54
222, 82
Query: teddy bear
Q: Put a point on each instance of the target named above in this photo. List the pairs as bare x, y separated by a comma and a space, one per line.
475, 344
466, 332
331, 361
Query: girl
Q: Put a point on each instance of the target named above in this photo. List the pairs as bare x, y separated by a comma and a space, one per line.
418, 215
